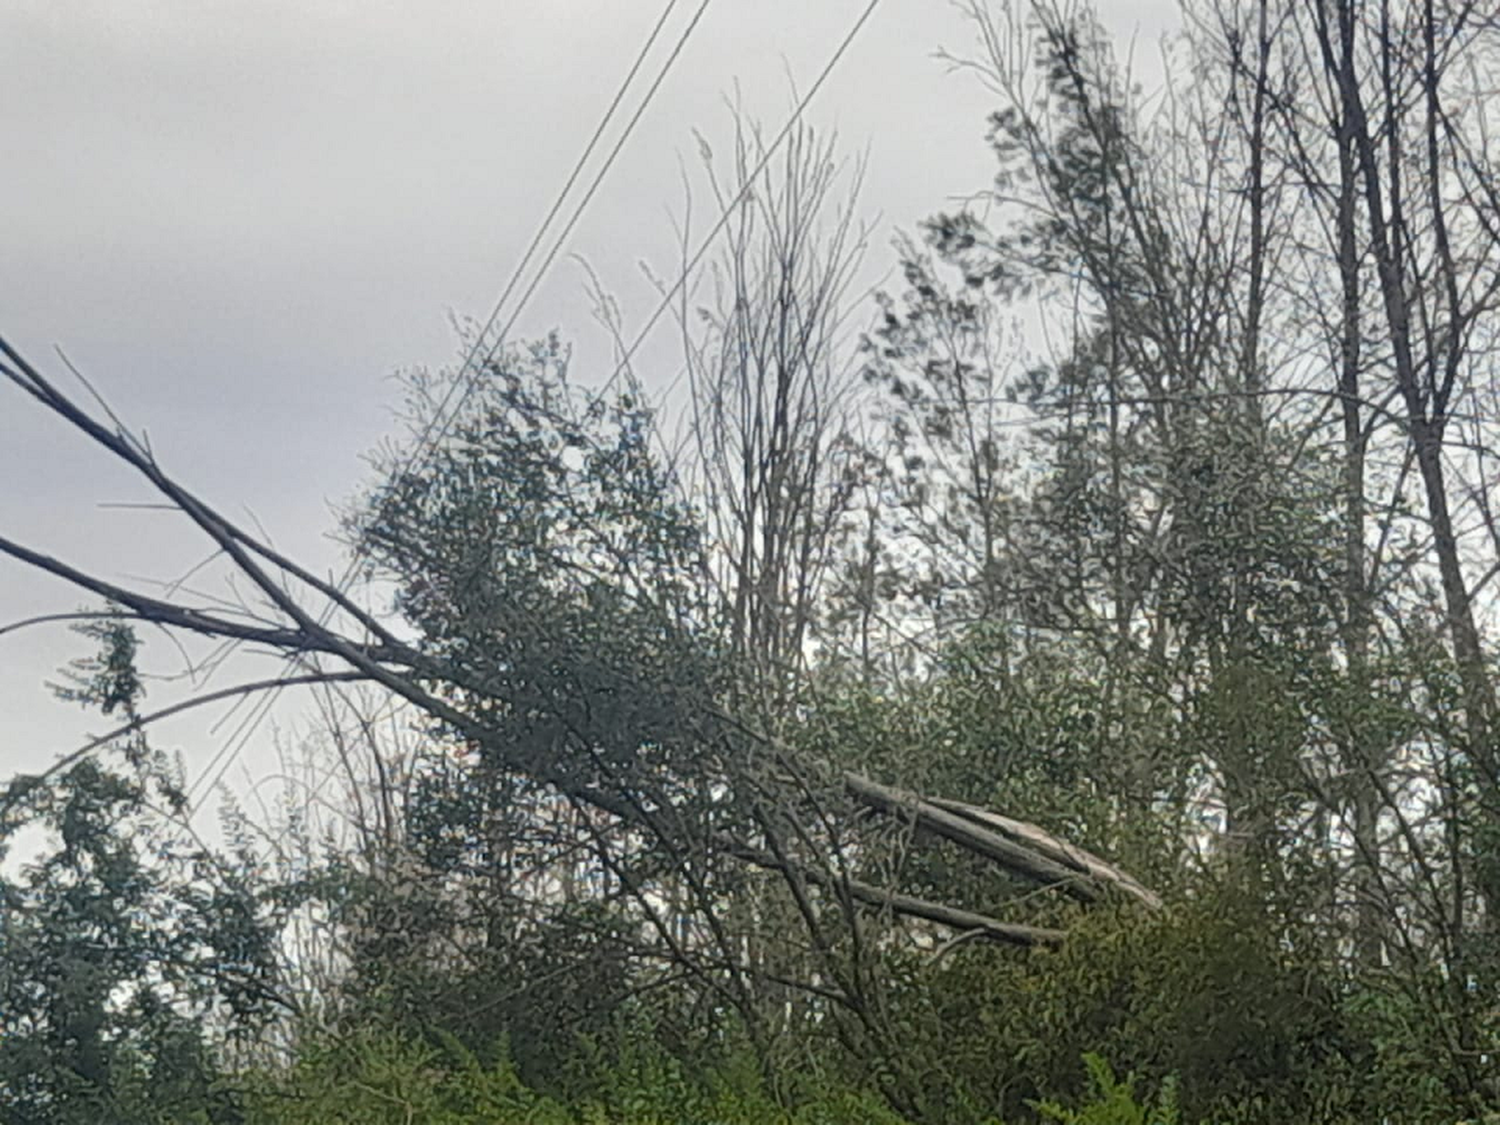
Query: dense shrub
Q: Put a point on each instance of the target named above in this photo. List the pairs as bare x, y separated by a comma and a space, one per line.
386, 1078
1200, 995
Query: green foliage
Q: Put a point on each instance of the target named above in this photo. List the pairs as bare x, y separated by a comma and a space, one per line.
119, 940
536, 981
383, 1076
1031, 731
1202, 994
386, 1077
1147, 611
1113, 1102
550, 567
542, 496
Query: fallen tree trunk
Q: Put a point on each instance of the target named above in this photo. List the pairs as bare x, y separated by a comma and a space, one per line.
1054, 848
908, 906
1026, 861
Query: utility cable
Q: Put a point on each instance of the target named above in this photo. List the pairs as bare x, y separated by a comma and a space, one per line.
227, 755
749, 183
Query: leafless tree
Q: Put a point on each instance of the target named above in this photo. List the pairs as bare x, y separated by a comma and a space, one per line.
773, 391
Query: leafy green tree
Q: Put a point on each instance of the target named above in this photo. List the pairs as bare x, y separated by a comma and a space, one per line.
125, 951
543, 553
1124, 506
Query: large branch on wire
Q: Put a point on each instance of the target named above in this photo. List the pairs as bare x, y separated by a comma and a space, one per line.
231, 539
155, 609
291, 629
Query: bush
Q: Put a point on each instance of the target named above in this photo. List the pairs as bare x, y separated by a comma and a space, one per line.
1202, 993
1112, 1102
388, 1078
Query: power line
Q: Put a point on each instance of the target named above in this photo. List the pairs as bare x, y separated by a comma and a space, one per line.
425, 441
468, 372
765, 159
608, 162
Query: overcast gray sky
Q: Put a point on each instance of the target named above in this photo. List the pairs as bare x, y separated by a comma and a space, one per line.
239, 217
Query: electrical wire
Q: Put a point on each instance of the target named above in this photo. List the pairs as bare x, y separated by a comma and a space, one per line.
468, 372
729, 210
557, 245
